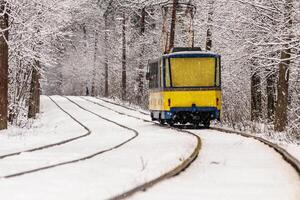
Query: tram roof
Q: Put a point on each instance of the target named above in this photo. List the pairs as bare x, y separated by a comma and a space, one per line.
191, 54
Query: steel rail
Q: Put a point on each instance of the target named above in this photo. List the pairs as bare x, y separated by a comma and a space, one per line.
173, 172
52, 144
289, 158
116, 104
82, 158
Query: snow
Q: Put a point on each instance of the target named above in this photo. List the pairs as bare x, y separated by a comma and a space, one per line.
292, 149
228, 167
136, 112
275, 138
50, 129
103, 176
231, 167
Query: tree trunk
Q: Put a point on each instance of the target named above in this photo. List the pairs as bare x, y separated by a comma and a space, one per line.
271, 96
173, 25
106, 57
141, 64
256, 98
124, 57
209, 24
143, 21
38, 94
283, 93
281, 112
3, 68
93, 90
34, 99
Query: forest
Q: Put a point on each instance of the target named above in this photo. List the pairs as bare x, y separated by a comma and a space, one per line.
102, 48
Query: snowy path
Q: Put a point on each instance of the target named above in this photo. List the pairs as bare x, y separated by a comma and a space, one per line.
229, 167
51, 127
155, 151
78, 149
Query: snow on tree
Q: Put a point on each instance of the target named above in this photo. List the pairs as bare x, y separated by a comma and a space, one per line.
102, 47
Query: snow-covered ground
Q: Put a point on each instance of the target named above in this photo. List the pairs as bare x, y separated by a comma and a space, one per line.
49, 129
293, 149
102, 176
281, 139
228, 167
232, 168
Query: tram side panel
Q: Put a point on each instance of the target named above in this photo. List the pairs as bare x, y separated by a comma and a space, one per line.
164, 104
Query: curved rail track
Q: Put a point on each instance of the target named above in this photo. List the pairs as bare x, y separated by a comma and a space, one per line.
285, 155
52, 144
175, 171
127, 107
136, 133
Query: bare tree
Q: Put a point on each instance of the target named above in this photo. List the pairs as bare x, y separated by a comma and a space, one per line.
141, 64
256, 96
3, 64
281, 112
34, 97
93, 90
124, 72
109, 10
271, 90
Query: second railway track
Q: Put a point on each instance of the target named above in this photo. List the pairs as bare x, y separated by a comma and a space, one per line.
285, 154
88, 132
136, 133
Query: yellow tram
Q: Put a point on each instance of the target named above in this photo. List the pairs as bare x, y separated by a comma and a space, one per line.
185, 87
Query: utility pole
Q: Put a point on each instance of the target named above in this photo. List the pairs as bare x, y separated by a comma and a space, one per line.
191, 11
173, 25
165, 34
209, 24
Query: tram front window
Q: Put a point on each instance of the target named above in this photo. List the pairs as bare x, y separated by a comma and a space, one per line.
194, 72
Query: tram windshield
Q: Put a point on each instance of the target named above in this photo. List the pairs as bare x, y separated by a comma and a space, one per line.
194, 72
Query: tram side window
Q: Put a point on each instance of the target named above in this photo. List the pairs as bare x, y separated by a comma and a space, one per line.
167, 73
218, 73
153, 75
161, 72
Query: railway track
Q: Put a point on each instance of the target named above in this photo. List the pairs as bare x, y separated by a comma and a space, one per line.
88, 132
136, 133
175, 171
127, 107
285, 155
